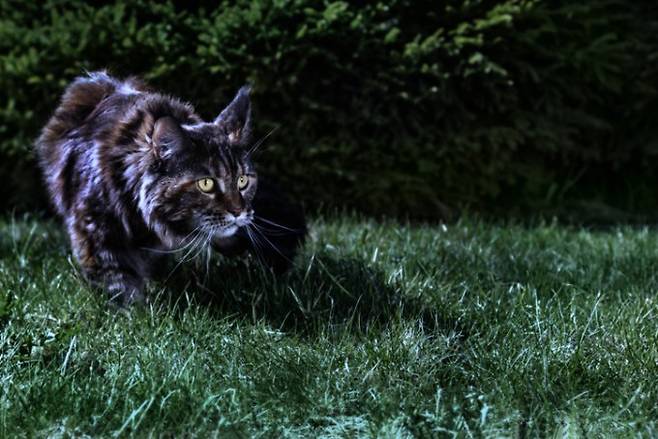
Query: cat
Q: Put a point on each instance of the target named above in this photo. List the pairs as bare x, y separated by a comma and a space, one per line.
136, 174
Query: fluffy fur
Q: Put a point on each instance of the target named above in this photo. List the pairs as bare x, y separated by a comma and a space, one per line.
122, 164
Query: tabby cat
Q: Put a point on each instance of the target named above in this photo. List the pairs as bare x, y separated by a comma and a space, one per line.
136, 175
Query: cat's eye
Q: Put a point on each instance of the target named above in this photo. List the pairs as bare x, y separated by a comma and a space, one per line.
243, 181
206, 184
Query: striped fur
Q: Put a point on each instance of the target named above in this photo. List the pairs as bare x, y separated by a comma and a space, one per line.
121, 164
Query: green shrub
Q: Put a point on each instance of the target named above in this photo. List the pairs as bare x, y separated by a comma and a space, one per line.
399, 107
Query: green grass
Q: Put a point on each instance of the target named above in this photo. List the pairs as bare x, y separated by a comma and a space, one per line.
381, 330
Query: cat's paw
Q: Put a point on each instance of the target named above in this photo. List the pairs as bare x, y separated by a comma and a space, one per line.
127, 297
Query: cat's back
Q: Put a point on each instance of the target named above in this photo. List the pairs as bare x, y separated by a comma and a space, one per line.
81, 99
89, 104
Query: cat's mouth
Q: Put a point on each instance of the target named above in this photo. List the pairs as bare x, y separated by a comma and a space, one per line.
225, 231
230, 224
243, 221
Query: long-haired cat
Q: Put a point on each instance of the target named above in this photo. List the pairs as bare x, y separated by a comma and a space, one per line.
135, 174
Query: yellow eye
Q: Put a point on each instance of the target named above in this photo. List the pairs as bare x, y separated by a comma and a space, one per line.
205, 185
243, 181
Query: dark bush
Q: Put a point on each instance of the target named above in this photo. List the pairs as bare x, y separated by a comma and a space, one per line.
398, 107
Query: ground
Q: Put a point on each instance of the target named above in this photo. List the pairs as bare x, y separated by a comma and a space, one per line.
382, 329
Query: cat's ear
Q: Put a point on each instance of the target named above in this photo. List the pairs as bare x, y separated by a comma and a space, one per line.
235, 119
167, 136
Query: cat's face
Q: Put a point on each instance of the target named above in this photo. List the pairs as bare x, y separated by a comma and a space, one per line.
204, 181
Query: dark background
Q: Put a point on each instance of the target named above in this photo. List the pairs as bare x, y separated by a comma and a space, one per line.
402, 108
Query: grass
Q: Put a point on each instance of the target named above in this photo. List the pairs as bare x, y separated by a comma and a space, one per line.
381, 330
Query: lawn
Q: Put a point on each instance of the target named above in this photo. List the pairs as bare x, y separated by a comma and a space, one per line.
382, 329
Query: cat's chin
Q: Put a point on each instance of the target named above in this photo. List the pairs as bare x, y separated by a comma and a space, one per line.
226, 232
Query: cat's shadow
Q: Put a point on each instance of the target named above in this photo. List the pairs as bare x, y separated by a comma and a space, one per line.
322, 293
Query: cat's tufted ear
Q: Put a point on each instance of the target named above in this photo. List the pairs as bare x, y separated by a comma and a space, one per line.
167, 136
235, 119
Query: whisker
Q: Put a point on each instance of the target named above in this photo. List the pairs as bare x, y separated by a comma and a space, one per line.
260, 142
272, 244
265, 220
273, 232
196, 244
203, 244
208, 256
256, 244
176, 250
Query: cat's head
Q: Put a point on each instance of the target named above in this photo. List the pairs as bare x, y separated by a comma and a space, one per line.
201, 181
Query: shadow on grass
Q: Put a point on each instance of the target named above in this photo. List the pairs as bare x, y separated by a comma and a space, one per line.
326, 294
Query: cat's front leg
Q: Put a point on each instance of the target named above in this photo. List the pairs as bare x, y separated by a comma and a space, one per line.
122, 287
108, 268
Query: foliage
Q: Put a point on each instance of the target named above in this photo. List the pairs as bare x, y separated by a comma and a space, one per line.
393, 106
